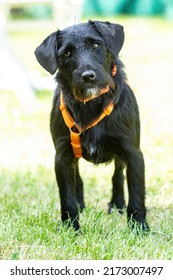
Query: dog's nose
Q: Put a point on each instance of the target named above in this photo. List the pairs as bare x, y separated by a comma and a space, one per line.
88, 75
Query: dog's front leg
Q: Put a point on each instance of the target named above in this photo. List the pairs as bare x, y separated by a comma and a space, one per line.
118, 187
136, 211
65, 175
79, 189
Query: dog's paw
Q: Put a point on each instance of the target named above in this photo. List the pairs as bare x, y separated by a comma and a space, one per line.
139, 227
112, 207
81, 207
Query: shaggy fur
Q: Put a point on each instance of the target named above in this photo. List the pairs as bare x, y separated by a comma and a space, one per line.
84, 55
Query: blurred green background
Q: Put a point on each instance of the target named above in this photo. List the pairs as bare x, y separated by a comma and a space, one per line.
27, 181
96, 8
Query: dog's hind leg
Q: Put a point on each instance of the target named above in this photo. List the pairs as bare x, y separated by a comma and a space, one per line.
65, 175
118, 187
79, 190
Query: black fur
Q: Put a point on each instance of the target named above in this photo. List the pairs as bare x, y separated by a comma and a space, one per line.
84, 55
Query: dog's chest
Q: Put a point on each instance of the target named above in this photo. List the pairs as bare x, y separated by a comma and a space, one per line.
91, 144
92, 153
94, 146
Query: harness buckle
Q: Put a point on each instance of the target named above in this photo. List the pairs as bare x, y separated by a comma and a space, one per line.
76, 132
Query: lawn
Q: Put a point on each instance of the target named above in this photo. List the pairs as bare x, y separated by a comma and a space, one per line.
29, 200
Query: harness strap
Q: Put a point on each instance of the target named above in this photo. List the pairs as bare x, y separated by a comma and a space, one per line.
105, 113
70, 123
76, 144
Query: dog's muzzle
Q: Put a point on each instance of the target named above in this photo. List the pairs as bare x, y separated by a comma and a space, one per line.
90, 89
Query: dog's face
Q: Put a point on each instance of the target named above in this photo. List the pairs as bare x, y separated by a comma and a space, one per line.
84, 54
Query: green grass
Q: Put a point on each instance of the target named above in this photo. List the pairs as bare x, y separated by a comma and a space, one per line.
31, 228
29, 200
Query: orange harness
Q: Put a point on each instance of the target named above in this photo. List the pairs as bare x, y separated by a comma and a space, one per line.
70, 122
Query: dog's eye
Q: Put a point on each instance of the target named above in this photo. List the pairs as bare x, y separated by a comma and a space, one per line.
95, 45
67, 54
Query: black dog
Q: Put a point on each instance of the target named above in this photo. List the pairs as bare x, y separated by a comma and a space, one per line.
94, 115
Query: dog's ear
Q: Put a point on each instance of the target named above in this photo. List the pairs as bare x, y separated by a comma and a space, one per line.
113, 35
46, 53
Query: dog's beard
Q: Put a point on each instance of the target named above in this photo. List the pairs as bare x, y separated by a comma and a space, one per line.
91, 92
88, 93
